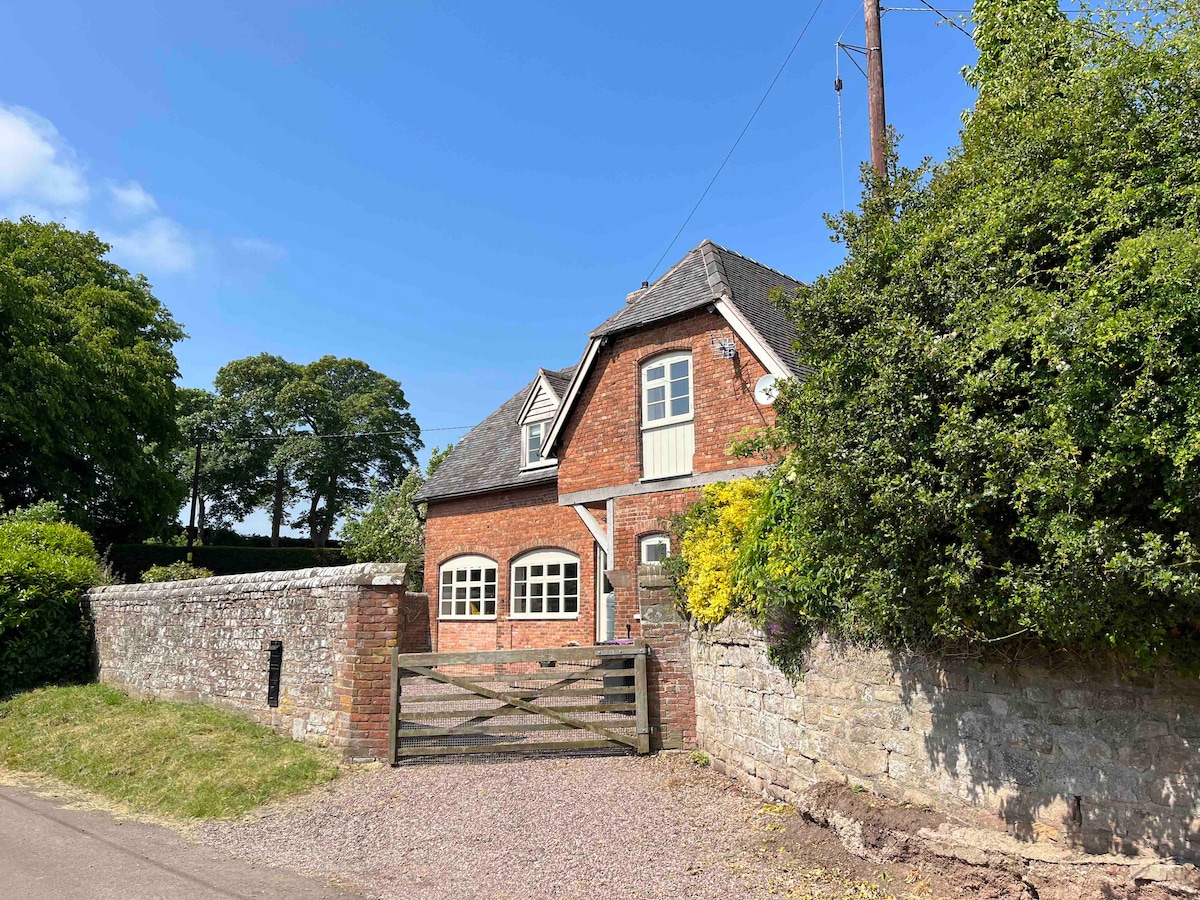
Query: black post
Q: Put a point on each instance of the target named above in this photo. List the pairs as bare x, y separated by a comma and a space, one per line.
191, 529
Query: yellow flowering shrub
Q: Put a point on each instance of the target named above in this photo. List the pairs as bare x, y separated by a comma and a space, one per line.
711, 542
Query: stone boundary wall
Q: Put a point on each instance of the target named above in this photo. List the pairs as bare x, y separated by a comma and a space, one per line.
208, 640
1063, 752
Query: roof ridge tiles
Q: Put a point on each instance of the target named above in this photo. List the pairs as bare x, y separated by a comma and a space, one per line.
751, 259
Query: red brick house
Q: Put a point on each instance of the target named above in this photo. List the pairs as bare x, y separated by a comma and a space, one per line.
539, 517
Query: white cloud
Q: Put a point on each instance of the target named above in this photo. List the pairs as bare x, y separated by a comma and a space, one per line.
37, 169
262, 247
40, 177
160, 245
132, 199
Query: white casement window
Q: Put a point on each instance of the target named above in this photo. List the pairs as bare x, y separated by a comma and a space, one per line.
655, 548
531, 453
668, 430
667, 390
467, 588
545, 585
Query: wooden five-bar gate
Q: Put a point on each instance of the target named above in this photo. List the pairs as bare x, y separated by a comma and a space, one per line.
567, 699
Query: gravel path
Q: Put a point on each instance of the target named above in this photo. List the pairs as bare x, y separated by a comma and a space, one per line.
616, 827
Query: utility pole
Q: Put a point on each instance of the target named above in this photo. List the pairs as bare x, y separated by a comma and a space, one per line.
878, 118
191, 530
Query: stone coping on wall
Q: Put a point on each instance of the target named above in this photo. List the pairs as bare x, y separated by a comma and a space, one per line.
359, 574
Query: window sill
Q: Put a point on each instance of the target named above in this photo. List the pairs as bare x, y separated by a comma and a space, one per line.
544, 464
666, 477
659, 423
543, 617
491, 618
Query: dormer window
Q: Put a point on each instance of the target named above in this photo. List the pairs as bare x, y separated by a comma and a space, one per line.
532, 451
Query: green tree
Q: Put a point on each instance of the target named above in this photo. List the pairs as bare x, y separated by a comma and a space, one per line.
87, 388
1000, 439
392, 527
355, 429
252, 412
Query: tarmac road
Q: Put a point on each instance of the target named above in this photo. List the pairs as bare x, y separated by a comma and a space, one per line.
51, 853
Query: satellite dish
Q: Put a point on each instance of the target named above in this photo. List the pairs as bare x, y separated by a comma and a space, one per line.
766, 390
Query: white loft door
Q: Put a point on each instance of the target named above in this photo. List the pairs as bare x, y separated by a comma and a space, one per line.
668, 450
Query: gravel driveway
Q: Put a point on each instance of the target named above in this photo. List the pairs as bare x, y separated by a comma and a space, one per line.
615, 827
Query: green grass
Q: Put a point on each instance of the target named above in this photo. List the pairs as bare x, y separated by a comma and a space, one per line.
172, 759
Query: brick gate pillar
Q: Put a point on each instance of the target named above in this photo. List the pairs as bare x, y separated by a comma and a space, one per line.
672, 694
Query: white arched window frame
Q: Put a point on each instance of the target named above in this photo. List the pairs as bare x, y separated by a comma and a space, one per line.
668, 429
467, 587
667, 389
655, 548
545, 585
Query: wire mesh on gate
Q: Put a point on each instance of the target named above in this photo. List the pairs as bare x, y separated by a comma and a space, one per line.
456, 719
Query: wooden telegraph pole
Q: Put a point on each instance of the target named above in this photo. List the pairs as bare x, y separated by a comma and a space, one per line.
878, 119
191, 529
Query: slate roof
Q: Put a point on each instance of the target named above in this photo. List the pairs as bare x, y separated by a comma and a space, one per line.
707, 273
488, 458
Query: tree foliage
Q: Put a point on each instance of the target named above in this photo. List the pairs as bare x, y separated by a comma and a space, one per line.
45, 567
392, 526
1001, 438
276, 433
710, 536
86, 383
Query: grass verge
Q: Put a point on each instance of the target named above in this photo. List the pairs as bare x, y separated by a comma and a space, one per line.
173, 759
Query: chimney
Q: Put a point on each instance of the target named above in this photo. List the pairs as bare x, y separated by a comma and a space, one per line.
629, 298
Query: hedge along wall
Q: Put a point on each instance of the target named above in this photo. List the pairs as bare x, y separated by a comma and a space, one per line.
131, 560
209, 640
1092, 758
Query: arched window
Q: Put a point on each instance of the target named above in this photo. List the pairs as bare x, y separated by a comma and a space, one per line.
467, 588
545, 585
667, 390
655, 548
668, 429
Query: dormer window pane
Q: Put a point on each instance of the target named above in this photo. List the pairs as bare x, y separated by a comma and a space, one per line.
533, 442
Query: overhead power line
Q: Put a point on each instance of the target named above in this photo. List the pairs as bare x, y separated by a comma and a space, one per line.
344, 434
742, 134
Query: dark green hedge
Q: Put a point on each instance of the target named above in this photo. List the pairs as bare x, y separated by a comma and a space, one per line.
45, 567
131, 560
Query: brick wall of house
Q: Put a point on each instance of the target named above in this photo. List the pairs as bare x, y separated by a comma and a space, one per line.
502, 525
601, 443
636, 517
209, 640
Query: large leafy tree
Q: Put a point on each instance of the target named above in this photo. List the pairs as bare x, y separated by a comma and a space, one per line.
1001, 438
392, 526
86, 383
233, 460
355, 430
319, 435
254, 420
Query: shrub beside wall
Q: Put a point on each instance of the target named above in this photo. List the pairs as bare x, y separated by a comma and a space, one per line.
45, 567
131, 560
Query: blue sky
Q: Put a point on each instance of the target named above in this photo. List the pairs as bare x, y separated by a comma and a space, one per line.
455, 193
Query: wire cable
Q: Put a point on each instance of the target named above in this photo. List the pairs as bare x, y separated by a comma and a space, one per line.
946, 18
745, 128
